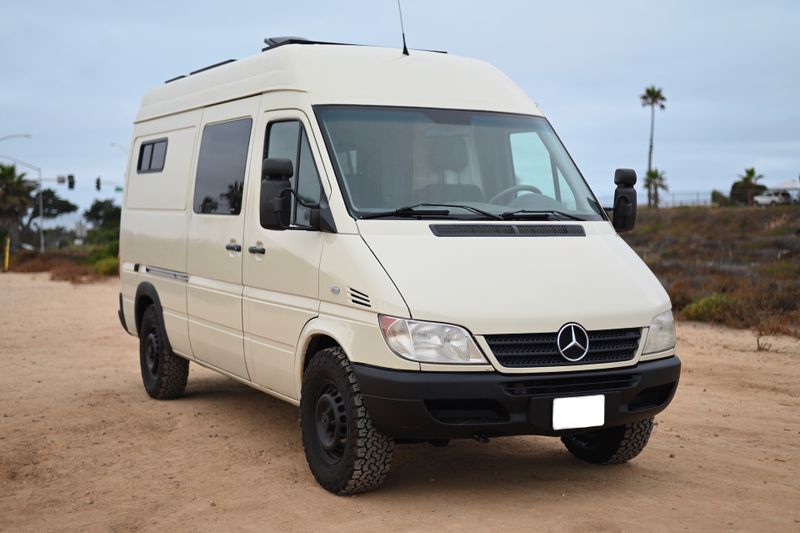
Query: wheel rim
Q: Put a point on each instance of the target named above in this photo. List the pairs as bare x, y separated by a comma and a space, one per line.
330, 421
151, 349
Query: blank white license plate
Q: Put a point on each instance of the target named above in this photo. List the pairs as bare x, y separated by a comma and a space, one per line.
579, 412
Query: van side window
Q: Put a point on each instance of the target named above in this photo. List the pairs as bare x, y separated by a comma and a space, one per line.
288, 140
152, 156
221, 167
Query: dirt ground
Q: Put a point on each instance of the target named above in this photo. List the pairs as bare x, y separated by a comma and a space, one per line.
82, 447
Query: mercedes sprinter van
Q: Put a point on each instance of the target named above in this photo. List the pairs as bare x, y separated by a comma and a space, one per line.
398, 244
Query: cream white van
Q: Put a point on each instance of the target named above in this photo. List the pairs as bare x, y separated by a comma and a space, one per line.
398, 244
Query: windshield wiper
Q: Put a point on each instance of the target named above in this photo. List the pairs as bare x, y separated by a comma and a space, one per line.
409, 211
546, 215
475, 210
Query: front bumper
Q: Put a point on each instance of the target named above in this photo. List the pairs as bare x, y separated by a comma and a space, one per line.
446, 405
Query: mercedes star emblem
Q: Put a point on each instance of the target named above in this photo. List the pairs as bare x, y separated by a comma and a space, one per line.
572, 342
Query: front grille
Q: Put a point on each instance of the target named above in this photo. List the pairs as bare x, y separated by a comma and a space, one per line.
540, 349
562, 386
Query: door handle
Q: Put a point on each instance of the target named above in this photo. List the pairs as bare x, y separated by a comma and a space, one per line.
233, 247
257, 250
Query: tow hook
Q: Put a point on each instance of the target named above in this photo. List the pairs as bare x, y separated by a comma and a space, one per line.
483, 439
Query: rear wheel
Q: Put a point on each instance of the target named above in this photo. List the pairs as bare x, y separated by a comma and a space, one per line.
610, 445
163, 372
346, 454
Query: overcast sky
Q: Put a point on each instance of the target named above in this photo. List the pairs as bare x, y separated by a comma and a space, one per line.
73, 73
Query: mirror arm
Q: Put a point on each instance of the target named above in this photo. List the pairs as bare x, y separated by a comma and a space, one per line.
300, 200
325, 220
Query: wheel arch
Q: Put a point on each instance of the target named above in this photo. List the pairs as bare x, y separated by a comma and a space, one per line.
147, 295
318, 334
359, 338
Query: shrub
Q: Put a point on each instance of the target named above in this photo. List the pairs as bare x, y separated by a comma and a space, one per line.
720, 199
101, 252
107, 266
714, 308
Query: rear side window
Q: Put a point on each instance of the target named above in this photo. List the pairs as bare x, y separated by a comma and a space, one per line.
152, 156
221, 167
288, 140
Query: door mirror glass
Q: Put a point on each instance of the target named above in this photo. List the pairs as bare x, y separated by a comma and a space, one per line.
624, 214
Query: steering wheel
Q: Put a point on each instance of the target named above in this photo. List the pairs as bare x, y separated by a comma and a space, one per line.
515, 188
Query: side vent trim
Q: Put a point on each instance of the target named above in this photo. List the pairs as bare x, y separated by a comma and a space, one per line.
508, 230
359, 298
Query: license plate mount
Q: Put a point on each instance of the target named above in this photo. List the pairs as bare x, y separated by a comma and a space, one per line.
579, 412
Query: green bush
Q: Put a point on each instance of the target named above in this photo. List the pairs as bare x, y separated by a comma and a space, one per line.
714, 308
107, 266
99, 252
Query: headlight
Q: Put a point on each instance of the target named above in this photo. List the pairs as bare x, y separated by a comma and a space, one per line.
429, 342
661, 334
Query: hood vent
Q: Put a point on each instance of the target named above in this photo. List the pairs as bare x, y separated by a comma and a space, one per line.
359, 298
508, 230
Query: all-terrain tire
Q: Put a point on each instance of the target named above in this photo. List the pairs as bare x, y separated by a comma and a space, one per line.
345, 453
610, 446
164, 373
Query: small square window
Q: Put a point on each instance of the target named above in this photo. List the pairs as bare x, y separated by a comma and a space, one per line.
159, 155
152, 156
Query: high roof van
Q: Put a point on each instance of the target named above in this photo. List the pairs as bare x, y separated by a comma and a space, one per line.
398, 244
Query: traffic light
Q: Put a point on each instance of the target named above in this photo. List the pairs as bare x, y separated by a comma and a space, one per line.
97, 183
70, 181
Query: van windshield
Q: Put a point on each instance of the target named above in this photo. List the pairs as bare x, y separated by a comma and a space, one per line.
390, 158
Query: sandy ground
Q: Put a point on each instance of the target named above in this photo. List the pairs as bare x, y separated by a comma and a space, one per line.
82, 447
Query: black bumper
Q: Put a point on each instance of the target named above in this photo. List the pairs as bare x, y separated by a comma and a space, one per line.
446, 405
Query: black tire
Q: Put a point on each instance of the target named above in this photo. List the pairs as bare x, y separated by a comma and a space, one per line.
610, 446
345, 453
163, 372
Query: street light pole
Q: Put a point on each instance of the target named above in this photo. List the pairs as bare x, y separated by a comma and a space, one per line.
16, 136
118, 145
41, 195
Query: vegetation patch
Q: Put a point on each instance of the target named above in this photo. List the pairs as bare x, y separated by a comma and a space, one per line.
736, 266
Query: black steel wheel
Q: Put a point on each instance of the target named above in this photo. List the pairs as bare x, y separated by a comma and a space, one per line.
330, 416
345, 453
164, 373
610, 445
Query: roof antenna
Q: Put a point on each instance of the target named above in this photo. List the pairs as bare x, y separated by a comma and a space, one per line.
402, 28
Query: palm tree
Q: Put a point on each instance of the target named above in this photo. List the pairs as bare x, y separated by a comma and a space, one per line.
16, 197
655, 181
749, 182
652, 97
750, 176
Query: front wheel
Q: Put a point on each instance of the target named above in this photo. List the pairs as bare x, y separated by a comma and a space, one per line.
608, 446
346, 454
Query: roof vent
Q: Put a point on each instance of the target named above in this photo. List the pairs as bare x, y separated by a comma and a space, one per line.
274, 42
359, 298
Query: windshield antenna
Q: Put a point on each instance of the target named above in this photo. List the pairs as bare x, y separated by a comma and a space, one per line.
402, 28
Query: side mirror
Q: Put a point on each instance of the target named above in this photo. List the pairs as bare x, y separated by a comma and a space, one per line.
276, 199
624, 215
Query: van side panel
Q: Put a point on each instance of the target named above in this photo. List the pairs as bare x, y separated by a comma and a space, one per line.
165, 189
215, 237
154, 223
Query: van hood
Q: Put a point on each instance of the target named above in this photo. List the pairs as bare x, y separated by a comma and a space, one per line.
492, 285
